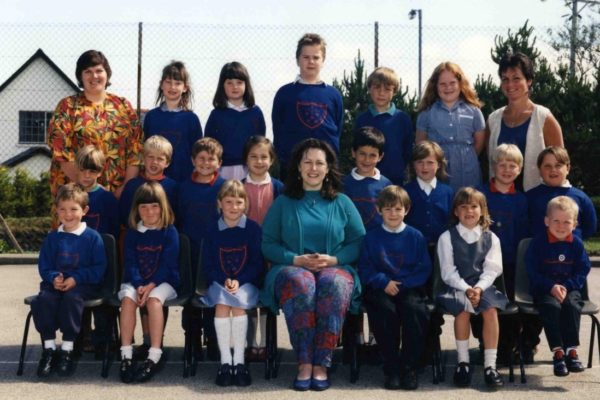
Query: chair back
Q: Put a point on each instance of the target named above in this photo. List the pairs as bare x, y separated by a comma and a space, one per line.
522, 294
185, 267
112, 278
201, 284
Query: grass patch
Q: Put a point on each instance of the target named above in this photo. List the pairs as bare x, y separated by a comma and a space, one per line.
592, 246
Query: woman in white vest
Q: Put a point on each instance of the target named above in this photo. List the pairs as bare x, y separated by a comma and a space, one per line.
528, 125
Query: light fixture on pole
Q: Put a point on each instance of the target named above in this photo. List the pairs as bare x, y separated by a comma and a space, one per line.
411, 15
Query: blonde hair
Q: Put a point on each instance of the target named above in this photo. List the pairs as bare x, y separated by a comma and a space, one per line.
425, 149
90, 157
384, 76
508, 152
563, 203
72, 191
392, 195
151, 192
467, 93
233, 188
159, 144
468, 195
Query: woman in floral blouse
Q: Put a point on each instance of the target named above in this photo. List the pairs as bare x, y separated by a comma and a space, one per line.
99, 118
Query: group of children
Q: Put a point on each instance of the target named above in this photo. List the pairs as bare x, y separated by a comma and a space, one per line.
217, 191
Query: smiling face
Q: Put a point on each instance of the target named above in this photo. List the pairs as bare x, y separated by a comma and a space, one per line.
366, 159
205, 165
560, 223
553, 172
313, 169
70, 214
468, 214
232, 208
514, 85
172, 90
393, 215
155, 164
94, 80
259, 161
150, 214
506, 171
448, 88
310, 62
426, 168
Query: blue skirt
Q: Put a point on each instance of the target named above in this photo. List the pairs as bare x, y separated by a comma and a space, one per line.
455, 301
245, 298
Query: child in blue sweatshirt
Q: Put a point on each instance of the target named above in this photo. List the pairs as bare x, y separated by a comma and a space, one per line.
394, 267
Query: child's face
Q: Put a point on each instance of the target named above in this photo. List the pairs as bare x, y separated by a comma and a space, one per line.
426, 168
150, 214
448, 88
506, 171
88, 178
155, 164
310, 62
232, 208
206, 164
70, 214
259, 161
553, 172
381, 96
468, 214
234, 90
173, 89
366, 159
393, 215
560, 223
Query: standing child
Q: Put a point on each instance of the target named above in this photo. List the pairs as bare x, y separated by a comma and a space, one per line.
307, 107
554, 165
232, 262
262, 190
151, 275
470, 261
449, 114
365, 182
396, 126
235, 118
558, 265
174, 119
72, 263
394, 267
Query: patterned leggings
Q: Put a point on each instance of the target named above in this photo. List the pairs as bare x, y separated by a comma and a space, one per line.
314, 305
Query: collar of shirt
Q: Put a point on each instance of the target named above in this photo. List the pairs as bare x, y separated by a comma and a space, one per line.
565, 184
212, 181
374, 112
164, 108
427, 187
358, 177
458, 103
554, 239
493, 189
241, 107
470, 235
302, 81
144, 177
141, 228
240, 224
96, 187
397, 230
263, 182
77, 231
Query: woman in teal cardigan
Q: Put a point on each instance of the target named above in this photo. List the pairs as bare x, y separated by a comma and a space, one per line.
312, 234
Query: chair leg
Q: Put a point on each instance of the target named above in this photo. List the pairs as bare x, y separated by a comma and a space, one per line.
187, 350
521, 360
270, 346
354, 347
595, 330
434, 367
24, 344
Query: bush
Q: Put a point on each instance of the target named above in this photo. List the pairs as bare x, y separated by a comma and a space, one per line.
22, 195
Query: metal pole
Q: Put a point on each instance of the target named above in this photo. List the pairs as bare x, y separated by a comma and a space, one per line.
376, 51
139, 72
420, 49
574, 18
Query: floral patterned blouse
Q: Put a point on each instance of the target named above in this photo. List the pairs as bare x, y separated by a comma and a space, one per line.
112, 126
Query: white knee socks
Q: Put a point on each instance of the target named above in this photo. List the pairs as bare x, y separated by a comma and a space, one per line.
223, 331
239, 328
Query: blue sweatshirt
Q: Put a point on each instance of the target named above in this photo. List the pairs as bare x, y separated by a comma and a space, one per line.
81, 257
126, 199
302, 111
363, 194
232, 129
182, 129
551, 262
399, 139
152, 256
401, 257
538, 198
233, 253
429, 214
103, 215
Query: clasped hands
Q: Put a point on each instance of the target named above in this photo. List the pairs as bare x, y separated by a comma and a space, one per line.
315, 262
62, 284
474, 295
559, 292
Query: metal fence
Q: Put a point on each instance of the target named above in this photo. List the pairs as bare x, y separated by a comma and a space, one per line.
31, 85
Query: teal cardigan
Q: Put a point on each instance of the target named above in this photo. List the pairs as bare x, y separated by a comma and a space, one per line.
282, 241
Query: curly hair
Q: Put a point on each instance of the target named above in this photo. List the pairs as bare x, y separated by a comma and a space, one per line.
467, 93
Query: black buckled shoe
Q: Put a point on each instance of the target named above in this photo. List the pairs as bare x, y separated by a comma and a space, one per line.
224, 375
146, 371
46, 363
410, 380
66, 363
560, 367
492, 378
573, 363
127, 371
462, 374
241, 375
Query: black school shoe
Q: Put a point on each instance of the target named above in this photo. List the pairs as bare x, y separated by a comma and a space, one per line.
392, 381
573, 363
224, 375
410, 380
46, 363
560, 367
462, 374
146, 371
66, 363
492, 378
241, 375
127, 371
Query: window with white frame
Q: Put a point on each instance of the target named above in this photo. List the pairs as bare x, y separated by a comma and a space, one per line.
33, 126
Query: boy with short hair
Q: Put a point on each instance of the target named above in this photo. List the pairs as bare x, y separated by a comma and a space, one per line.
394, 266
307, 107
558, 265
554, 165
72, 263
383, 84
364, 182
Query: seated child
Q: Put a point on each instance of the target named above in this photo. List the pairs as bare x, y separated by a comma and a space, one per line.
470, 261
72, 263
558, 265
394, 267
151, 275
232, 262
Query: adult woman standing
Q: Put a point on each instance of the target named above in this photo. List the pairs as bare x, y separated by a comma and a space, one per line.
95, 117
311, 234
530, 126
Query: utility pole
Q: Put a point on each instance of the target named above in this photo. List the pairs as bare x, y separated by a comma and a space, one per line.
574, 34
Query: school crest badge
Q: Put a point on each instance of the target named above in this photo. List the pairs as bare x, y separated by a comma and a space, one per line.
67, 261
233, 259
312, 115
92, 220
148, 260
366, 209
